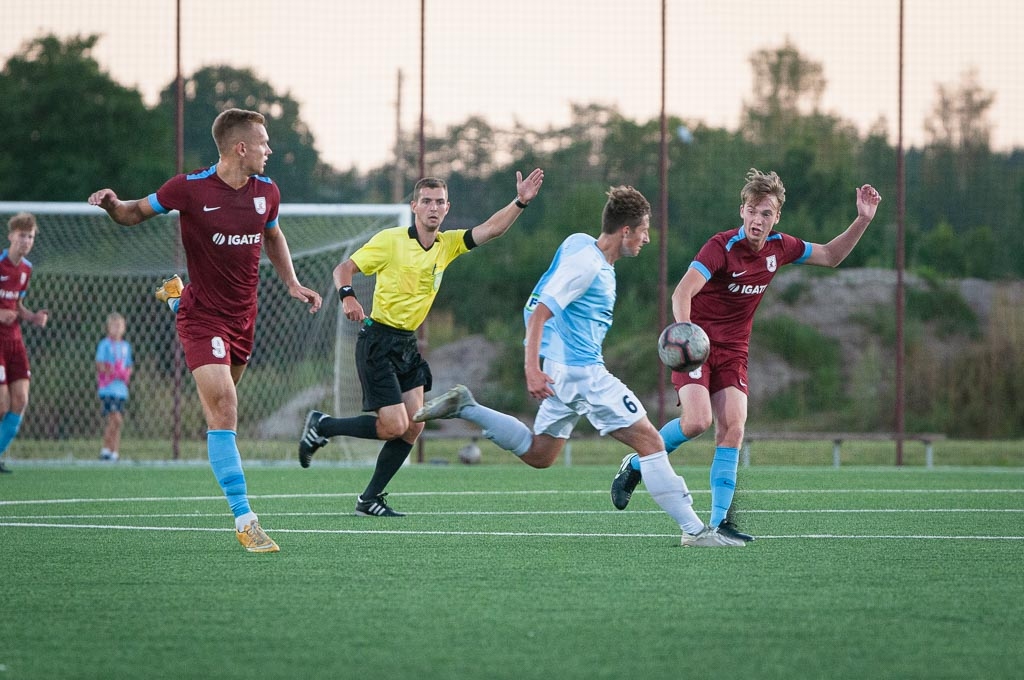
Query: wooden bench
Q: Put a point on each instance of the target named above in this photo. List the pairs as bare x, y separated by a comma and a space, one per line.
837, 439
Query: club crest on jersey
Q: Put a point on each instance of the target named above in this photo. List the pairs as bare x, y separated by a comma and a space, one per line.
261, 204
772, 263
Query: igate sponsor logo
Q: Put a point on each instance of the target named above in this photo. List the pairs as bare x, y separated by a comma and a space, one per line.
236, 239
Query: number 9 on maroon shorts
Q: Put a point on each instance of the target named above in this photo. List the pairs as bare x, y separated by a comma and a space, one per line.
215, 341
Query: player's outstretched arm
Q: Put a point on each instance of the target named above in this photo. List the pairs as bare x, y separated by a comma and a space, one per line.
125, 213
835, 251
526, 190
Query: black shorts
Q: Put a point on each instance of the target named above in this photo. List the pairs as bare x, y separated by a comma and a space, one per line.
389, 364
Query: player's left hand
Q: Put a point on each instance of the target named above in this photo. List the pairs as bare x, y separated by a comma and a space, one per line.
310, 297
538, 384
527, 189
41, 317
868, 199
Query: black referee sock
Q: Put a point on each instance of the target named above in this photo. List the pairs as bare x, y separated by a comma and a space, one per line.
362, 427
389, 460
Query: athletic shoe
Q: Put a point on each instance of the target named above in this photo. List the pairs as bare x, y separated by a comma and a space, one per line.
376, 506
448, 405
727, 528
624, 483
254, 539
110, 456
4, 470
311, 438
710, 537
169, 289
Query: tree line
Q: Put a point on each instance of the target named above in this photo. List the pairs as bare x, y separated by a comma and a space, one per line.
67, 127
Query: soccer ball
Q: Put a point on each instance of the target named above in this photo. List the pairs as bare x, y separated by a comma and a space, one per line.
683, 347
470, 453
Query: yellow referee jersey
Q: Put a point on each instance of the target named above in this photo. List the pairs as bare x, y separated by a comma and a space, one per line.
408, 276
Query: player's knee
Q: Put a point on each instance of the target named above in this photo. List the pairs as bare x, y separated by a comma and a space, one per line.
542, 455
539, 463
694, 427
392, 428
731, 436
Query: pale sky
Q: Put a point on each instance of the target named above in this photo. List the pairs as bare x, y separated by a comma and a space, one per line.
529, 60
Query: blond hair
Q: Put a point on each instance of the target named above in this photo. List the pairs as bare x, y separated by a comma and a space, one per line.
760, 185
233, 124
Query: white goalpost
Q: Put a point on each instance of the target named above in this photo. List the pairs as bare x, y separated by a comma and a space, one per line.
85, 266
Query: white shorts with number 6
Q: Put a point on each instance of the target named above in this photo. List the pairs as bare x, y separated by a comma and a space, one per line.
589, 391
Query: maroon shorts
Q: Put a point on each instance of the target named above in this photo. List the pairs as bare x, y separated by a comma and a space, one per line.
208, 340
13, 361
725, 367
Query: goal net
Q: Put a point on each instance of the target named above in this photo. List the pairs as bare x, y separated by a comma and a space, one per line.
85, 267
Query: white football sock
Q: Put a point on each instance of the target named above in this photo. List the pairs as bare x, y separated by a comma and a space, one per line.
244, 520
504, 430
669, 491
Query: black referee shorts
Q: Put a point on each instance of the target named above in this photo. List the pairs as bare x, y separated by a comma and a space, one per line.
389, 364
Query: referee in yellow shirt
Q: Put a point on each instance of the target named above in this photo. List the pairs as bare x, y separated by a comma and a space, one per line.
409, 264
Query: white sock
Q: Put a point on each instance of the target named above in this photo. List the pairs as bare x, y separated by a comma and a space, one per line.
669, 491
504, 430
243, 521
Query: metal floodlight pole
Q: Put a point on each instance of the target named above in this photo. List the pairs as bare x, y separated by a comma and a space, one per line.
663, 241
423, 73
900, 254
179, 134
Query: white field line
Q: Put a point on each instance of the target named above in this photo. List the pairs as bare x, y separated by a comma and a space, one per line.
528, 492
507, 513
517, 534
23, 520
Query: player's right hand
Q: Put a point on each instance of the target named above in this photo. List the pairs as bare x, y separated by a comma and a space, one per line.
104, 198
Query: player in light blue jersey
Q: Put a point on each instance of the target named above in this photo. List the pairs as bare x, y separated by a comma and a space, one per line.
567, 317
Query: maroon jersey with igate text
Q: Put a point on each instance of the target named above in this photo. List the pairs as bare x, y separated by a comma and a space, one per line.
222, 231
14, 280
737, 277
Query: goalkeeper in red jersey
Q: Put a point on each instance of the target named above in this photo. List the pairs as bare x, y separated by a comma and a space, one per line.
228, 216
15, 273
720, 292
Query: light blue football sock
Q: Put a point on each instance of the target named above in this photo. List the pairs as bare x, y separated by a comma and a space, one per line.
671, 434
723, 482
9, 426
226, 462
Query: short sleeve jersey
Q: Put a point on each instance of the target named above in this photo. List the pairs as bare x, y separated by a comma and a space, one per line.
222, 232
408, 275
14, 280
117, 353
737, 277
579, 289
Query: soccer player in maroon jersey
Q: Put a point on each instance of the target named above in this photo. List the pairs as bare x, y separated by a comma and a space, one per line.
228, 214
720, 292
15, 273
